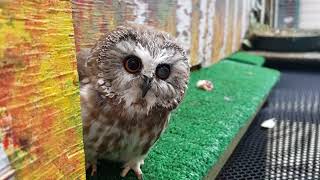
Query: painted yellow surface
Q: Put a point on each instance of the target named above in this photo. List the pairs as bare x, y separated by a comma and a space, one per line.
40, 124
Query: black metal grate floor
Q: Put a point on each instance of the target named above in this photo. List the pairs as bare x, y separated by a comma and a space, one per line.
291, 150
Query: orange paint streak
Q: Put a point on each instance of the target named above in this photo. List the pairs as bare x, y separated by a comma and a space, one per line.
5, 141
6, 82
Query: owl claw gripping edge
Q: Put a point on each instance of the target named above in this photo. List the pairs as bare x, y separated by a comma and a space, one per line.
130, 82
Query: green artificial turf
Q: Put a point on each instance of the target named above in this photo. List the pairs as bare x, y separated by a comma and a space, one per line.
246, 58
205, 123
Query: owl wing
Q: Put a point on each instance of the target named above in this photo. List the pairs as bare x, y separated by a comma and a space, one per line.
155, 131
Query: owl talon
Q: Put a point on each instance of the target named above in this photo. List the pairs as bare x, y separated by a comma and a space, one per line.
125, 171
93, 169
138, 173
135, 167
139, 176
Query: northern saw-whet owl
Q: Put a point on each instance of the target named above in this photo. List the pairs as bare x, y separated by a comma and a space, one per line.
131, 80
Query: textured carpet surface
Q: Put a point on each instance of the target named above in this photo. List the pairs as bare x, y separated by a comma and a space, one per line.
247, 58
205, 123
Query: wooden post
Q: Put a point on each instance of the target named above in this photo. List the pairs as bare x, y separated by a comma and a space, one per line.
40, 124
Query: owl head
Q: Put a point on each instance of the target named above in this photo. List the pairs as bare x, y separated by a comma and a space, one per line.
139, 67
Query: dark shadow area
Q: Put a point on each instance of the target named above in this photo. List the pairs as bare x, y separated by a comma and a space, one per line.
107, 170
291, 150
294, 65
287, 44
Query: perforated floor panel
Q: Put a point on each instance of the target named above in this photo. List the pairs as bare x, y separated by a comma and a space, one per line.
291, 150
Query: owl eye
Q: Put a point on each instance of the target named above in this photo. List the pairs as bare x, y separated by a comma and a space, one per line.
132, 64
163, 71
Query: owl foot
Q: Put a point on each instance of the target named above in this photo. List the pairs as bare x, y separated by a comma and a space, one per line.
93, 168
135, 166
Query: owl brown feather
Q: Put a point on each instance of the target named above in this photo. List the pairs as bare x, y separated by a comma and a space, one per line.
124, 111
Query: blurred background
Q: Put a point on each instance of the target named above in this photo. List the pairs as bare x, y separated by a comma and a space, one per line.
296, 14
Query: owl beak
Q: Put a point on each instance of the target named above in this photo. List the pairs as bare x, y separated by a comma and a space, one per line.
146, 85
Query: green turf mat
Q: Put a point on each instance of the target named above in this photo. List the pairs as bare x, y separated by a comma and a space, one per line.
246, 58
206, 122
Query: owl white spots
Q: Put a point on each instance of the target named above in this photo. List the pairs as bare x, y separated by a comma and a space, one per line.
130, 82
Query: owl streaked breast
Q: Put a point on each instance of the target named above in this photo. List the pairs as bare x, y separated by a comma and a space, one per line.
130, 82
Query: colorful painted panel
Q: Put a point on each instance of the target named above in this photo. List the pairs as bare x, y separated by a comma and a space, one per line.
208, 29
40, 124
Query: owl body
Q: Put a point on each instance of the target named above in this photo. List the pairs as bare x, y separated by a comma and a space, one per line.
110, 134
130, 82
